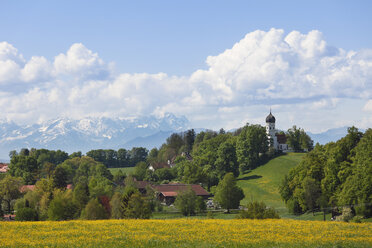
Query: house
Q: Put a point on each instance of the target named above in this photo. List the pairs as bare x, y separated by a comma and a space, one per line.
168, 192
4, 167
282, 142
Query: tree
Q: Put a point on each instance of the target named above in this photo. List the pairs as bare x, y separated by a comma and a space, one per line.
116, 206
298, 140
94, 211
81, 194
189, 139
60, 177
123, 158
228, 194
186, 202
175, 142
258, 210
26, 214
311, 193
227, 160
138, 207
25, 167
138, 154
251, 142
140, 170
192, 173
62, 207
9, 190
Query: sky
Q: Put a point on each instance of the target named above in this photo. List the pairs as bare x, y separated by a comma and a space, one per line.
218, 63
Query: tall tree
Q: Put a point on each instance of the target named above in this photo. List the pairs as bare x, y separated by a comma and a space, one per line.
186, 202
227, 160
251, 142
9, 190
228, 194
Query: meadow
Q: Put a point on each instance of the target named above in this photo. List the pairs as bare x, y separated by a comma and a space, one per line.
261, 184
185, 233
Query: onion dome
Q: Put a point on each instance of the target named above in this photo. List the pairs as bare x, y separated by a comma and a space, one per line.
270, 118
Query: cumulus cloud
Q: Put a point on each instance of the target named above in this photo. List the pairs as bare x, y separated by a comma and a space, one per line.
81, 62
300, 75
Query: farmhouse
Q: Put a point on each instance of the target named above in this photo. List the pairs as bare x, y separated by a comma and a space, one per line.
168, 192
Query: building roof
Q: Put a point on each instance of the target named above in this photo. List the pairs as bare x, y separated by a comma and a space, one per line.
282, 139
270, 118
4, 167
173, 189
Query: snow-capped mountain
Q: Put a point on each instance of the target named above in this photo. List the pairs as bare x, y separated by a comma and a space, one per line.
90, 133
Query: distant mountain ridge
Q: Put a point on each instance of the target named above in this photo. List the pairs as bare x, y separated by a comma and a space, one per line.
330, 135
90, 133
107, 133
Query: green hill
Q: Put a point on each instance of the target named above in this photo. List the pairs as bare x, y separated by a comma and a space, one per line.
261, 184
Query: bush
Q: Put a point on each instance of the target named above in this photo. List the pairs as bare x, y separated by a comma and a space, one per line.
347, 215
62, 208
258, 210
26, 214
186, 202
94, 211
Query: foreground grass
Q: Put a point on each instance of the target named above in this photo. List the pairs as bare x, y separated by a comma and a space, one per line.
261, 184
185, 233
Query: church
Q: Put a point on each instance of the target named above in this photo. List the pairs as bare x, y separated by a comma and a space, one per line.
276, 140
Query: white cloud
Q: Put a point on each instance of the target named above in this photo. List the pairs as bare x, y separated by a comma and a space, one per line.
80, 62
38, 68
368, 106
299, 74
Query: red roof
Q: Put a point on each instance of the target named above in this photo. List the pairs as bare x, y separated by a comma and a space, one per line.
26, 188
4, 167
282, 139
173, 189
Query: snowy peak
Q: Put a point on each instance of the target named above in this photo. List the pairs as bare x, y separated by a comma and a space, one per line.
87, 133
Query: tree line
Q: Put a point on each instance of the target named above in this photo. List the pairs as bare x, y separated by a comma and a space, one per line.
76, 186
336, 174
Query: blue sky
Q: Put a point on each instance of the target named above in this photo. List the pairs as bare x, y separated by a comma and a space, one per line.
173, 37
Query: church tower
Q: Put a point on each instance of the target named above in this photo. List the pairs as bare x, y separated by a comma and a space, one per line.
270, 130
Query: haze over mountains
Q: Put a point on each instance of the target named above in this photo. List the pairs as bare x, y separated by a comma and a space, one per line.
90, 133
107, 133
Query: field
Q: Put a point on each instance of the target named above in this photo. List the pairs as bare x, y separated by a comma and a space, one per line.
185, 233
261, 184
126, 170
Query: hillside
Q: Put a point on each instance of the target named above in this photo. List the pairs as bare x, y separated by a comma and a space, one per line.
261, 184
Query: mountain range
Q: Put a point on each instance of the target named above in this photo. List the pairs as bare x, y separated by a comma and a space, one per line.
90, 133
107, 133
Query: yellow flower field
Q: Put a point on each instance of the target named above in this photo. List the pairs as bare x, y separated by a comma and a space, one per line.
185, 233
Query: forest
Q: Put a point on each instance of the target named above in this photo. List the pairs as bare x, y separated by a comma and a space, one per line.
336, 174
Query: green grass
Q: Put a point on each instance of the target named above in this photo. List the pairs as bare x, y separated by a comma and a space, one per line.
261, 184
126, 170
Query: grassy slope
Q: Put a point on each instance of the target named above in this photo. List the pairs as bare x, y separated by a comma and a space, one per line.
126, 170
262, 183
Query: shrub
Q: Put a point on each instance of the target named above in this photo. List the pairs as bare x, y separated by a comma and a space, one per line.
258, 210
94, 211
26, 214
